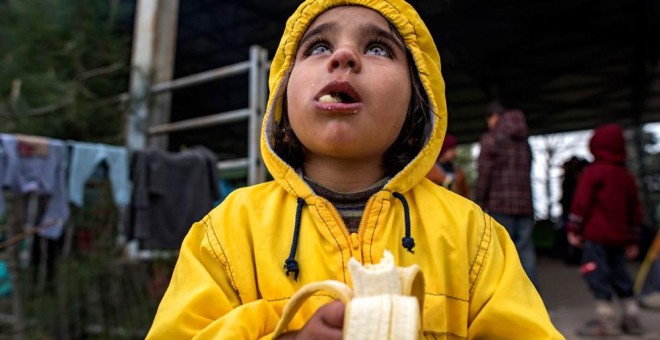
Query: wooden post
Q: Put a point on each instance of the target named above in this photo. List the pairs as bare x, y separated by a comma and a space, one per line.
15, 221
163, 67
152, 61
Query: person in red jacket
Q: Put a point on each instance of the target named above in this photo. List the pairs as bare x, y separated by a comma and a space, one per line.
604, 221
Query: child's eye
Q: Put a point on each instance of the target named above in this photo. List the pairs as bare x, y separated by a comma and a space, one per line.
380, 48
316, 47
319, 49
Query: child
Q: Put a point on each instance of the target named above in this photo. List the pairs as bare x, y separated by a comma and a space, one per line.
355, 120
604, 221
446, 173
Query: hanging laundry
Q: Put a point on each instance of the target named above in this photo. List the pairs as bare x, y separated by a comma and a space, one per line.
3, 167
171, 191
86, 157
34, 164
32, 146
225, 188
5, 280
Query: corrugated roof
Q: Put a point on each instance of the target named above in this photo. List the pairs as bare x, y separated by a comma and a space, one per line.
568, 64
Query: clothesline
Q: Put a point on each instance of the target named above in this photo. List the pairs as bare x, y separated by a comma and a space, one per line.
162, 193
30, 164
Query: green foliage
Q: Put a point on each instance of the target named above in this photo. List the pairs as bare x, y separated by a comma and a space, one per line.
58, 58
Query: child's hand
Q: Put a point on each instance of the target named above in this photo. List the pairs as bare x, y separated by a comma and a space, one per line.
574, 239
632, 251
326, 323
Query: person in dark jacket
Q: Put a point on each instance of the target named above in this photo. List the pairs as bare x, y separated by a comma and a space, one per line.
605, 219
572, 170
504, 187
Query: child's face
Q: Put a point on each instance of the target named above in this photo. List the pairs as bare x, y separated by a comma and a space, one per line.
350, 86
448, 156
492, 120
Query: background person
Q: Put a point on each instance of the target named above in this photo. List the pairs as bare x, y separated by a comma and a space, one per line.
605, 220
504, 187
446, 172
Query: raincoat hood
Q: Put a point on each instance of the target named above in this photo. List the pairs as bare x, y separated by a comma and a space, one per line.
608, 144
419, 43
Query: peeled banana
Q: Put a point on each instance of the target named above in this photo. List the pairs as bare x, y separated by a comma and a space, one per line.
385, 303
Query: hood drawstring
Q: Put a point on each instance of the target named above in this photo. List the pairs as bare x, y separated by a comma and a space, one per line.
408, 242
291, 265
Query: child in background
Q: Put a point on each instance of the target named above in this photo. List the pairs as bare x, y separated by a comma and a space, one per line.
445, 172
355, 120
604, 221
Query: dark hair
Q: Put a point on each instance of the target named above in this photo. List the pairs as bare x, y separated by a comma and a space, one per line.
416, 128
285, 142
494, 107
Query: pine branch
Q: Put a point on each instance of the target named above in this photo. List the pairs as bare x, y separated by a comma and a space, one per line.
70, 99
49, 108
101, 71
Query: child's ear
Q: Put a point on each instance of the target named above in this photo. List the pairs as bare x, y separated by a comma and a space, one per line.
412, 141
285, 136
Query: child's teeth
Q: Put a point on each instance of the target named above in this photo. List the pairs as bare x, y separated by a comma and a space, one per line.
328, 98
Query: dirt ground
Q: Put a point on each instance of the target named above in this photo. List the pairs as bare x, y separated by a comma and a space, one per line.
570, 304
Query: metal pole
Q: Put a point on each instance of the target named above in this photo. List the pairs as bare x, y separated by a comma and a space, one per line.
253, 120
200, 122
263, 98
201, 78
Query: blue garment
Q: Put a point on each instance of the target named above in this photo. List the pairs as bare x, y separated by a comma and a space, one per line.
5, 280
520, 229
225, 189
45, 175
605, 270
86, 158
3, 167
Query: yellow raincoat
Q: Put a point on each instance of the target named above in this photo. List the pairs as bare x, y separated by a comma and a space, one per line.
230, 281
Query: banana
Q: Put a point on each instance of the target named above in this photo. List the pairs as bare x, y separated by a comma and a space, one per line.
386, 301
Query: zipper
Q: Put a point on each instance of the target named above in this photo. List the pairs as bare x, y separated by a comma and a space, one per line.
347, 234
367, 208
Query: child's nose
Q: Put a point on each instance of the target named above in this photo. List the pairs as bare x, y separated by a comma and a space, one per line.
344, 58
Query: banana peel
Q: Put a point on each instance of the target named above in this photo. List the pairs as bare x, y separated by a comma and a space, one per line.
386, 302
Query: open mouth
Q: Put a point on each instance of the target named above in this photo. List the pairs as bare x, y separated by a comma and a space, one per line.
338, 92
337, 97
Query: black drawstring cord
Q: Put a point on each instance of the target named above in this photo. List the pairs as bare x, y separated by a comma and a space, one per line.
291, 265
408, 242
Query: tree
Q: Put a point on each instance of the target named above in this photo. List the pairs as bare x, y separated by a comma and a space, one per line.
58, 60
